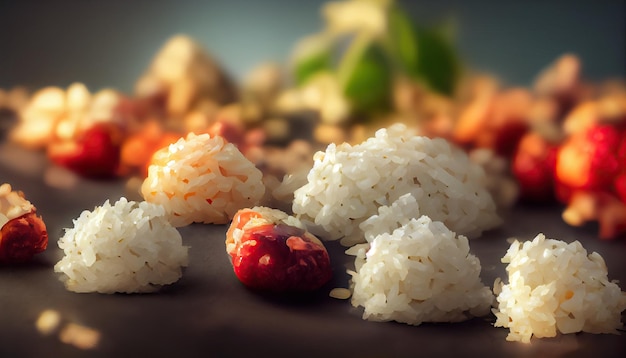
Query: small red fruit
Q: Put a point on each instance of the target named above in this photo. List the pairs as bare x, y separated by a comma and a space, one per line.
588, 160
23, 234
533, 167
94, 154
268, 253
22, 238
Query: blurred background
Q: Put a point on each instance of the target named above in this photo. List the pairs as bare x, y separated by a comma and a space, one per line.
111, 43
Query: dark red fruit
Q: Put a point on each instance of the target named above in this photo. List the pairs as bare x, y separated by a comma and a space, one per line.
274, 256
588, 160
533, 167
21, 238
94, 154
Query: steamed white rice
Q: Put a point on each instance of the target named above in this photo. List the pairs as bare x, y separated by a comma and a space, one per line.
556, 287
126, 247
419, 272
389, 218
202, 179
347, 185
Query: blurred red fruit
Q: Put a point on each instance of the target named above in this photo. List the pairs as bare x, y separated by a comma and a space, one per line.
94, 154
588, 160
533, 166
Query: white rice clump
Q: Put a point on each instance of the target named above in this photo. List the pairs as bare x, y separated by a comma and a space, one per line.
347, 185
554, 286
420, 272
202, 179
389, 218
126, 247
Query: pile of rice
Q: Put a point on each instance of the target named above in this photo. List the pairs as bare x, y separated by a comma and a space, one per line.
389, 218
418, 272
556, 287
347, 185
202, 179
126, 247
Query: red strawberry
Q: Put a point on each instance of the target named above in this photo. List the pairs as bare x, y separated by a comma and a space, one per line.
268, 254
533, 167
588, 160
94, 154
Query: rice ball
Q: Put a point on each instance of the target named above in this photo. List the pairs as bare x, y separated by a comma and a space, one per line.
125, 247
202, 179
389, 218
347, 185
420, 272
556, 287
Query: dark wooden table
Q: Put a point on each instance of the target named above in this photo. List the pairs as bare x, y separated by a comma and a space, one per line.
209, 313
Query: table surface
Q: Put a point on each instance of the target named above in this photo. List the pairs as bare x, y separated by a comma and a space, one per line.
208, 312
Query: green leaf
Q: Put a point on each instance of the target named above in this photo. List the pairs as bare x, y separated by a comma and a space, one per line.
438, 64
365, 75
426, 55
312, 55
402, 40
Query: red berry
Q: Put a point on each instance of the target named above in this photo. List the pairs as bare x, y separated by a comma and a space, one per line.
94, 154
588, 160
533, 167
21, 238
271, 255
